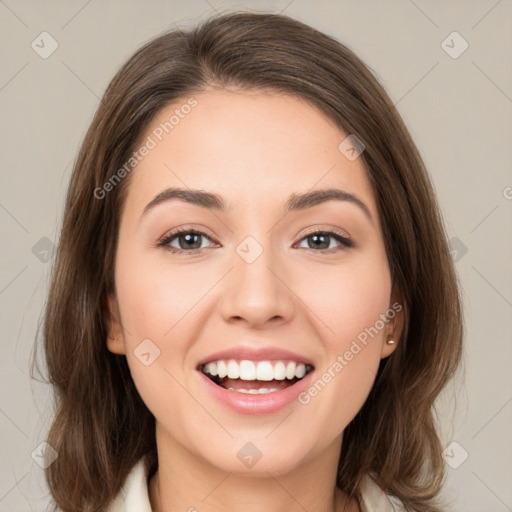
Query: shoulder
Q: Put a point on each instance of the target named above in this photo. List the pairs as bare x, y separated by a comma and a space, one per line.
133, 496
374, 499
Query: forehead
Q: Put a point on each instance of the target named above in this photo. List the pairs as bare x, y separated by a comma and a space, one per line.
243, 145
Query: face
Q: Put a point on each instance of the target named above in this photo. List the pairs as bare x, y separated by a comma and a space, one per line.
258, 283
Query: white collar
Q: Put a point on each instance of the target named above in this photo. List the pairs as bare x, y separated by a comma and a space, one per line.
134, 496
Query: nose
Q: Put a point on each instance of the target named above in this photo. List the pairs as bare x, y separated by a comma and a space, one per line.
257, 292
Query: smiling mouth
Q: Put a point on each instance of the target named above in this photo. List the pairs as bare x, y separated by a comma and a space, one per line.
255, 377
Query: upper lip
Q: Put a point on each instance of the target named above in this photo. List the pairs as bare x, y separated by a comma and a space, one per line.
255, 354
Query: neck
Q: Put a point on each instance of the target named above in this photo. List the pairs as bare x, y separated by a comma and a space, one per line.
186, 482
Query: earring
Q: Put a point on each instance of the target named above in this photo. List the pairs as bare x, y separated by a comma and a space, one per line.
390, 342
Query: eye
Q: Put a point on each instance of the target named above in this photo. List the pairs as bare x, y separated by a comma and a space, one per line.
190, 241
187, 240
320, 241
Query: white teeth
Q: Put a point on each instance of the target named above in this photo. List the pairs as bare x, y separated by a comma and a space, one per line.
247, 370
279, 371
233, 370
211, 368
221, 369
300, 371
264, 371
290, 370
255, 370
254, 391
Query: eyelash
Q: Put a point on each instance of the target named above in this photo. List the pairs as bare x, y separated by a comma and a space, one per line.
337, 235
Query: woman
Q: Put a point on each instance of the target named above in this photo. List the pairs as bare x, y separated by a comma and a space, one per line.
253, 302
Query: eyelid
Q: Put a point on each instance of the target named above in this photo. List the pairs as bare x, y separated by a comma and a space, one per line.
331, 229
187, 228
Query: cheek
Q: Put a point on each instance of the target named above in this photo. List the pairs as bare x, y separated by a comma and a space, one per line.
159, 307
155, 298
348, 300
151, 307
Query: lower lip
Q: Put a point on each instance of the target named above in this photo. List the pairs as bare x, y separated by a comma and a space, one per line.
266, 403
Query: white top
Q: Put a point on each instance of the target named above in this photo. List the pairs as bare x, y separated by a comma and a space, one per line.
134, 497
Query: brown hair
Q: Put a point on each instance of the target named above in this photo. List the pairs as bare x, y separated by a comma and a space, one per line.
101, 426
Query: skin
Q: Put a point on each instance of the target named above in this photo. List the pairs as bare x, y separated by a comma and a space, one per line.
254, 149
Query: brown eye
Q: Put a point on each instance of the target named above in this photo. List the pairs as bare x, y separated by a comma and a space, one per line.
187, 240
322, 240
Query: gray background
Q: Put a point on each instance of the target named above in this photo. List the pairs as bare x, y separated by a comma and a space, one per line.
457, 109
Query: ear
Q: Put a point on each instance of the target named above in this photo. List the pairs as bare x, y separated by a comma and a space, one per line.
395, 326
115, 336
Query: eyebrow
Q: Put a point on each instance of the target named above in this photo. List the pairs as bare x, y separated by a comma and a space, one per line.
295, 202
